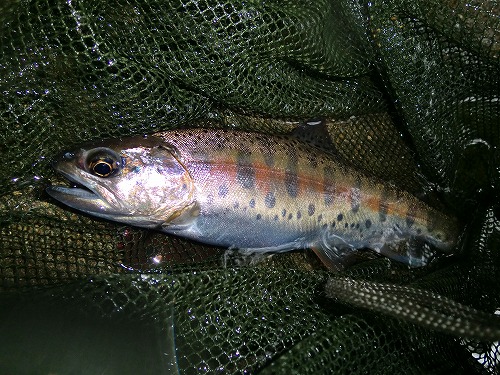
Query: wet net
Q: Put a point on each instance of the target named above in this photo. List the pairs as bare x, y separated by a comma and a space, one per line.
410, 93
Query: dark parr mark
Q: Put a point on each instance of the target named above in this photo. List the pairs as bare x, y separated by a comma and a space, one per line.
410, 215
267, 148
311, 209
368, 224
328, 186
270, 200
252, 203
356, 196
223, 190
383, 205
291, 177
292, 184
245, 172
431, 221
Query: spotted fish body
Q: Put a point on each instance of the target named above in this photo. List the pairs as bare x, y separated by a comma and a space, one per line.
254, 192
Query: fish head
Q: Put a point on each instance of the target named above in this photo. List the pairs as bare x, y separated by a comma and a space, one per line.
139, 181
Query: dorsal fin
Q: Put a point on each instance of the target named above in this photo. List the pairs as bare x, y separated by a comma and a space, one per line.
315, 132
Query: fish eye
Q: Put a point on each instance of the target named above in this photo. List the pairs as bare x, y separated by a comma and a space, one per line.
103, 165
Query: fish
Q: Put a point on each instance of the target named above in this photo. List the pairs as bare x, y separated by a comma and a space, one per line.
254, 192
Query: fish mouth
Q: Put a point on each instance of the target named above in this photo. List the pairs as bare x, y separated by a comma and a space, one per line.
81, 197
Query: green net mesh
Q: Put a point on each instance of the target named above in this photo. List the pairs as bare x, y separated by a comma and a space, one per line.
410, 91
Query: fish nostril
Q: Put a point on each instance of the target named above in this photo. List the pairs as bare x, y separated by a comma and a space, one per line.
68, 156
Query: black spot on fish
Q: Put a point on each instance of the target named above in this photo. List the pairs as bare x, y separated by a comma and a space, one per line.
236, 204
332, 224
258, 217
299, 215
346, 225
311, 209
313, 161
320, 217
340, 217
368, 223
283, 213
245, 172
324, 226
223, 190
357, 225
419, 231
270, 200
276, 218
220, 143
252, 203
290, 216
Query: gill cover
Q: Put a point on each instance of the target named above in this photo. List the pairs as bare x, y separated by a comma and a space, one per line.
139, 181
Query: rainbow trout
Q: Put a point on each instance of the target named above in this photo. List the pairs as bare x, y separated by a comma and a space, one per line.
250, 191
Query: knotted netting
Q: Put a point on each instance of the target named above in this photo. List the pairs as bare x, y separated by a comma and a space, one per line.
410, 92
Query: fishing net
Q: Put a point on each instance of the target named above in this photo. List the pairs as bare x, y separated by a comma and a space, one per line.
410, 94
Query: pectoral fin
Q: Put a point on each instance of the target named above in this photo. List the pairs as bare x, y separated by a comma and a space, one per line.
182, 218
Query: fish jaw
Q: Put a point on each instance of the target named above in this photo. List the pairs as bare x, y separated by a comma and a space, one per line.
91, 204
81, 199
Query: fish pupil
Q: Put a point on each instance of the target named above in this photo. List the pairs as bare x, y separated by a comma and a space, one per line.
103, 167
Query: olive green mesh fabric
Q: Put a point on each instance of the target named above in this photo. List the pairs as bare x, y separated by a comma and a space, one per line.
411, 94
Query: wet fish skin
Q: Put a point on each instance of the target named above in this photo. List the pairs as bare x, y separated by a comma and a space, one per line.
254, 192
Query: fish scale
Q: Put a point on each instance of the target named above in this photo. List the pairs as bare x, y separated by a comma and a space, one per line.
262, 193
